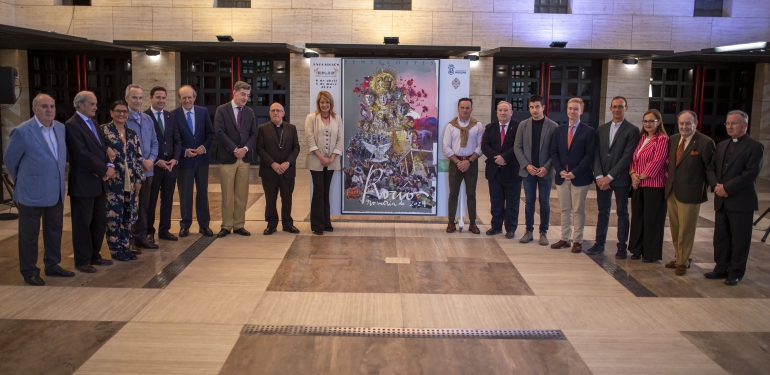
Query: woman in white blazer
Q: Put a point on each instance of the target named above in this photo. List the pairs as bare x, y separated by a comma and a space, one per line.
323, 129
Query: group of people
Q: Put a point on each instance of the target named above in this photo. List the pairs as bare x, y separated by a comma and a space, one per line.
659, 173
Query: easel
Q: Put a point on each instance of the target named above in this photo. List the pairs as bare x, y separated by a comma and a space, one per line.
764, 238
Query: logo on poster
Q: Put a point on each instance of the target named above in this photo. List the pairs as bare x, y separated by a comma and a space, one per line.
451, 70
455, 83
326, 73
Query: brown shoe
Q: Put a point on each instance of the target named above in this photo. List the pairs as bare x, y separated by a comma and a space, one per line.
86, 268
680, 270
671, 264
561, 244
450, 228
474, 229
577, 247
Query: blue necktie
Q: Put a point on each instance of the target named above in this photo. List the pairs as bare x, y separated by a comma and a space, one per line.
93, 129
189, 123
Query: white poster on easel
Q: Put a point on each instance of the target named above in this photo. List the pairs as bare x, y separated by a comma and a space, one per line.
326, 75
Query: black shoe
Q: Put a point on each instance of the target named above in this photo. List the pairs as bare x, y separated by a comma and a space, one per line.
121, 257
713, 275
329, 229
647, 260
269, 230
184, 232
59, 272
318, 232
636, 256
510, 234
242, 232
291, 229
140, 242
34, 281
732, 281
492, 231
621, 254
206, 232
101, 262
595, 249
131, 256
87, 268
151, 238
168, 236
223, 232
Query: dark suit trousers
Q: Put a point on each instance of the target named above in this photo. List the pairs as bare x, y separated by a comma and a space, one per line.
29, 230
274, 186
139, 229
89, 224
320, 212
648, 218
199, 177
505, 198
604, 203
456, 179
732, 241
163, 185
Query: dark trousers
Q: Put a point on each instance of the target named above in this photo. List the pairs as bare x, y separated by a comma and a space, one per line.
456, 179
122, 211
542, 186
29, 230
505, 198
732, 241
89, 224
604, 203
648, 218
139, 229
198, 176
320, 213
274, 186
163, 185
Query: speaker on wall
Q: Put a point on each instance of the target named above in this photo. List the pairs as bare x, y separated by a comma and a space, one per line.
8, 84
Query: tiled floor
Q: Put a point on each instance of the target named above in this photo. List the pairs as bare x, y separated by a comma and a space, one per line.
401, 273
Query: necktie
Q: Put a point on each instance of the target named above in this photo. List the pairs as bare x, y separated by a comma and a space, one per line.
160, 124
93, 130
679, 151
569, 136
240, 116
502, 134
189, 122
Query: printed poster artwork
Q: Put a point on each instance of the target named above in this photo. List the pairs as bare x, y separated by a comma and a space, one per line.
390, 110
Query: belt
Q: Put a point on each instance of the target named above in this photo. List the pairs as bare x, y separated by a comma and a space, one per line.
464, 157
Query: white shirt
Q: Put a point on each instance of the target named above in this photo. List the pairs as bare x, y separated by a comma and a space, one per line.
451, 140
614, 130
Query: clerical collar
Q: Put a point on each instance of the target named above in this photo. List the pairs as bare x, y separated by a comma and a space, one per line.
277, 125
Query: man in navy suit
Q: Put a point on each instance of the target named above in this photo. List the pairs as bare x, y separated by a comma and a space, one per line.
165, 170
572, 152
197, 134
36, 158
502, 171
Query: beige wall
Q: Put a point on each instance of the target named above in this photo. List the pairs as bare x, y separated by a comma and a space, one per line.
163, 70
629, 81
19, 112
760, 113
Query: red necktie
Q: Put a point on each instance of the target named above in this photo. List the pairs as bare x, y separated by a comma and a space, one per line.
502, 134
569, 136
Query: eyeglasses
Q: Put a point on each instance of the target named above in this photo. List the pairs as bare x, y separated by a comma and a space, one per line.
120, 111
650, 121
276, 110
617, 106
685, 123
731, 124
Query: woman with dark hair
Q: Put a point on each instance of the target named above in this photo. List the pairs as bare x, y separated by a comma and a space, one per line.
649, 171
124, 187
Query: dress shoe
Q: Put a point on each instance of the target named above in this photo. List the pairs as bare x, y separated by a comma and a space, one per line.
34, 281
120, 257
636, 256
206, 232
621, 254
151, 238
680, 270
510, 234
732, 281
242, 232
527, 237
131, 255
290, 229
561, 244
168, 236
184, 232
474, 229
450, 228
577, 247
101, 262
135, 250
595, 249
671, 264
318, 232
543, 239
645, 260
140, 242
492, 231
268, 231
223, 232
329, 229
713, 275
86, 268
59, 272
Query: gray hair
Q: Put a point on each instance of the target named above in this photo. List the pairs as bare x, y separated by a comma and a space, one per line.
240, 85
81, 97
179, 92
741, 113
506, 102
689, 112
132, 86
40, 96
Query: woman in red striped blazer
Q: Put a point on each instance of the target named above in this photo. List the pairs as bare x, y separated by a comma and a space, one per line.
649, 171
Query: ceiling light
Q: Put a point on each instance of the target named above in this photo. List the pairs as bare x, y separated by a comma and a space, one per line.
631, 61
224, 38
741, 47
557, 44
390, 40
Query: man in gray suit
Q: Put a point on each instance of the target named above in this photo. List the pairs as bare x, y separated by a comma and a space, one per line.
533, 151
36, 157
615, 144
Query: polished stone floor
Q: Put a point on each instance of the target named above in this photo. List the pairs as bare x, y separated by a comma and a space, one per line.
400, 273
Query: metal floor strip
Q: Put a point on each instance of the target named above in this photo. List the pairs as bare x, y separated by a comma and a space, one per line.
173, 269
509, 334
623, 277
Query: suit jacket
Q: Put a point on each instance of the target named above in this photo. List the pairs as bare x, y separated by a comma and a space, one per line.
88, 159
523, 146
144, 128
614, 160
578, 158
688, 179
270, 151
229, 137
38, 175
317, 139
739, 176
169, 142
491, 147
204, 135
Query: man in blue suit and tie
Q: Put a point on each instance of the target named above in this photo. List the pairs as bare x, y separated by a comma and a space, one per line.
572, 152
36, 157
197, 134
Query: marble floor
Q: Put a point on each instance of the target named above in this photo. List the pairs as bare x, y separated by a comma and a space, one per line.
618, 316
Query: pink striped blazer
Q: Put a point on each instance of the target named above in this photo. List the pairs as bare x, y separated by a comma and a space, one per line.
652, 160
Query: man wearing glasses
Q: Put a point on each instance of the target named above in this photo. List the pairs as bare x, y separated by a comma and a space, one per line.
732, 176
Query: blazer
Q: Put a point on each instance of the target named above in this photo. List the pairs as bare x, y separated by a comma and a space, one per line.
614, 160
148, 139
523, 146
738, 176
229, 137
652, 160
688, 179
88, 159
38, 175
491, 147
270, 150
327, 143
169, 142
204, 135
578, 158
